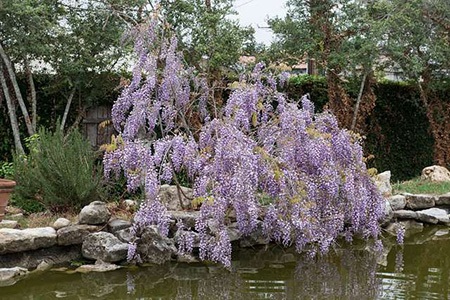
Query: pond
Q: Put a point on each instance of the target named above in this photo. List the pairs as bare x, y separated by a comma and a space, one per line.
419, 269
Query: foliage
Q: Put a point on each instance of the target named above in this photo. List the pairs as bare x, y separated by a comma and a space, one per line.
399, 135
419, 186
416, 39
206, 32
50, 89
337, 36
59, 172
259, 144
6, 169
315, 86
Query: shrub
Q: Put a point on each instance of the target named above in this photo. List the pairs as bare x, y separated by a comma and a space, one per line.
259, 144
6, 169
59, 172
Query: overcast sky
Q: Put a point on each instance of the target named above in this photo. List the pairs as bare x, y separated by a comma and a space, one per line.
256, 12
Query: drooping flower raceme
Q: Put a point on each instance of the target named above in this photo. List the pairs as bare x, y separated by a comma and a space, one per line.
259, 146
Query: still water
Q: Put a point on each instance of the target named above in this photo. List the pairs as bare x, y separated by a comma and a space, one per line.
420, 269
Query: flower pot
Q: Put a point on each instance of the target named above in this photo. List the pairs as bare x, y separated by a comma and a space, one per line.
6, 188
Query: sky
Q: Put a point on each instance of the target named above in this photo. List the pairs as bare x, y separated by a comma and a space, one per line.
256, 12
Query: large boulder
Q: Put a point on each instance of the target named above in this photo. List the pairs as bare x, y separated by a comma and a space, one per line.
125, 235
405, 214
9, 224
419, 201
118, 224
169, 197
152, 247
188, 218
436, 173
104, 246
383, 183
94, 214
9, 276
397, 202
99, 266
434, 215
16, 240
60, 223
388, 214
32, 259
411, 227
74, 235
443, 199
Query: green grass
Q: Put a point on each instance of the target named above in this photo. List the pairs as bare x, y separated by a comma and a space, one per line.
418, 186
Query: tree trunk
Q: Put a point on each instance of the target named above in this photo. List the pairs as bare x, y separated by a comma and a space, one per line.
32, 99
11, 112
358, 102
339, 103
438, 114
12, 77
66, 110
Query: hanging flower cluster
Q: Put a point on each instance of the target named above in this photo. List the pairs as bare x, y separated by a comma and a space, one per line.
259, 145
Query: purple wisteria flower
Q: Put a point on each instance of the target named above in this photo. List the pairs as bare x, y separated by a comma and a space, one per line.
259, 145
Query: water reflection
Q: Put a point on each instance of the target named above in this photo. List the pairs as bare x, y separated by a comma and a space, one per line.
412, 271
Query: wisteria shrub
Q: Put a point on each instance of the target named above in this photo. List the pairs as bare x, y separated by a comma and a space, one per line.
259, 145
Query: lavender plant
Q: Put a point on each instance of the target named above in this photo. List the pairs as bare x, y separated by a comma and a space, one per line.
259, 144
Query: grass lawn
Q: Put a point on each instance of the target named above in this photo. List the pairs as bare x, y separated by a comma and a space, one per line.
418, 186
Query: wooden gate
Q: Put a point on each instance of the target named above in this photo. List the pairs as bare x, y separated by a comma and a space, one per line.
95, 128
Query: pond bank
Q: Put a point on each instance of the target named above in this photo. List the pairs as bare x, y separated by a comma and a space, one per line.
99, 237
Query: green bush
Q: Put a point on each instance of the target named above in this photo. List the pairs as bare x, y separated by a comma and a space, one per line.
60, 173
315, 86
6, 169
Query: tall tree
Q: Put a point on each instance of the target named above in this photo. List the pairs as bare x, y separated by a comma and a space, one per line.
417, 39
74, 39
336, 34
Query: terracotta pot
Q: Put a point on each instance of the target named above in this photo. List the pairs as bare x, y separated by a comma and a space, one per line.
6, 188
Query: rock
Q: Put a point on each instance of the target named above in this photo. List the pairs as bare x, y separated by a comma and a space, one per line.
100, 266
387, 215
9, 276
43, 266
94, 214
442, 232
443, 199
187, 258
195, 235
155, 248
104, 246
118, 224
419, 201
8, 224
124, 235
383, 183
405, 214
73, 235
434, 215
233, 232
130, 204
397, 202
60, 223
187, 217
426, 218
168, 195
411, 227
436, 174
257, 237
31, 259
16, 217
16, 240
